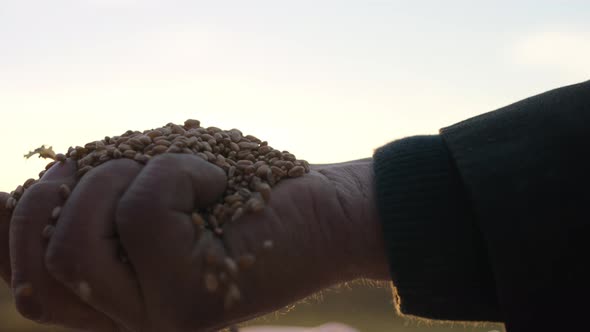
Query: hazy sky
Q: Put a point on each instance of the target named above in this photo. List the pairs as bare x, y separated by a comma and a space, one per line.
326, 80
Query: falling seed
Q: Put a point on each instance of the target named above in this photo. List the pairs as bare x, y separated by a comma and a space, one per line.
48, 231
56, 212
198, 219
232, 296
246, 261
211, 283
84, 291
64, 191
231, 266
268, 244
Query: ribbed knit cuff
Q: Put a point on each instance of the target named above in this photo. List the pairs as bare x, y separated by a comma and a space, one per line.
437, 257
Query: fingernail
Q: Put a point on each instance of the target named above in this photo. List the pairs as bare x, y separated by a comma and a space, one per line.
26, 303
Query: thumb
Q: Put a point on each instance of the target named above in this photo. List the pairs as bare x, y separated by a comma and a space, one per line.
4, 228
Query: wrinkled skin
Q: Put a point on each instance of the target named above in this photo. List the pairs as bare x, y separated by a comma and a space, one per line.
323, 228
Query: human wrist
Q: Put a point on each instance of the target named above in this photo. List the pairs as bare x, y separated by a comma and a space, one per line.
357, 226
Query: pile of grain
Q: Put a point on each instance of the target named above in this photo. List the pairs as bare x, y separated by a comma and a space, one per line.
251, 165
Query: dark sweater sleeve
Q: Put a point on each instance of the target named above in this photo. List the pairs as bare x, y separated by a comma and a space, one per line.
489, 220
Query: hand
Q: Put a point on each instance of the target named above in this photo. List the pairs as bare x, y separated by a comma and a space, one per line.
332, 327
323, 229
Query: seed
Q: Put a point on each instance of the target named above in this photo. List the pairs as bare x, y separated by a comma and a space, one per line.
198, 220
237, 214
159, 149
233, 198
264, 190
64, 191
10, 203
84, 291
29, 183
246, 261
18, 192
153, 134
60, 157
245, 193
83, 171
136, 144
210, 156
190, 123
234, 147
255, 204
48, 231
176, 129
278, 172
48, 166
141, 158
163, 142
267, 244
264, 149
296, 171
211, 282
253, 139
124, 147
56, 212
231, 266
231, 172
129, 154
241, 164
145, 140
117, 154
232, 296
104, 158
262, 171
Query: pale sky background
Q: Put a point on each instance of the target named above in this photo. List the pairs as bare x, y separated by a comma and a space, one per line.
327, 80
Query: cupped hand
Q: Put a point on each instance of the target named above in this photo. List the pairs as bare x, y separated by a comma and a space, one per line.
330, 327
317, 230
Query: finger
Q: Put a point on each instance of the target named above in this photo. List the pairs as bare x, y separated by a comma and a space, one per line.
38, 295
4, 248
153, 217
83, 253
